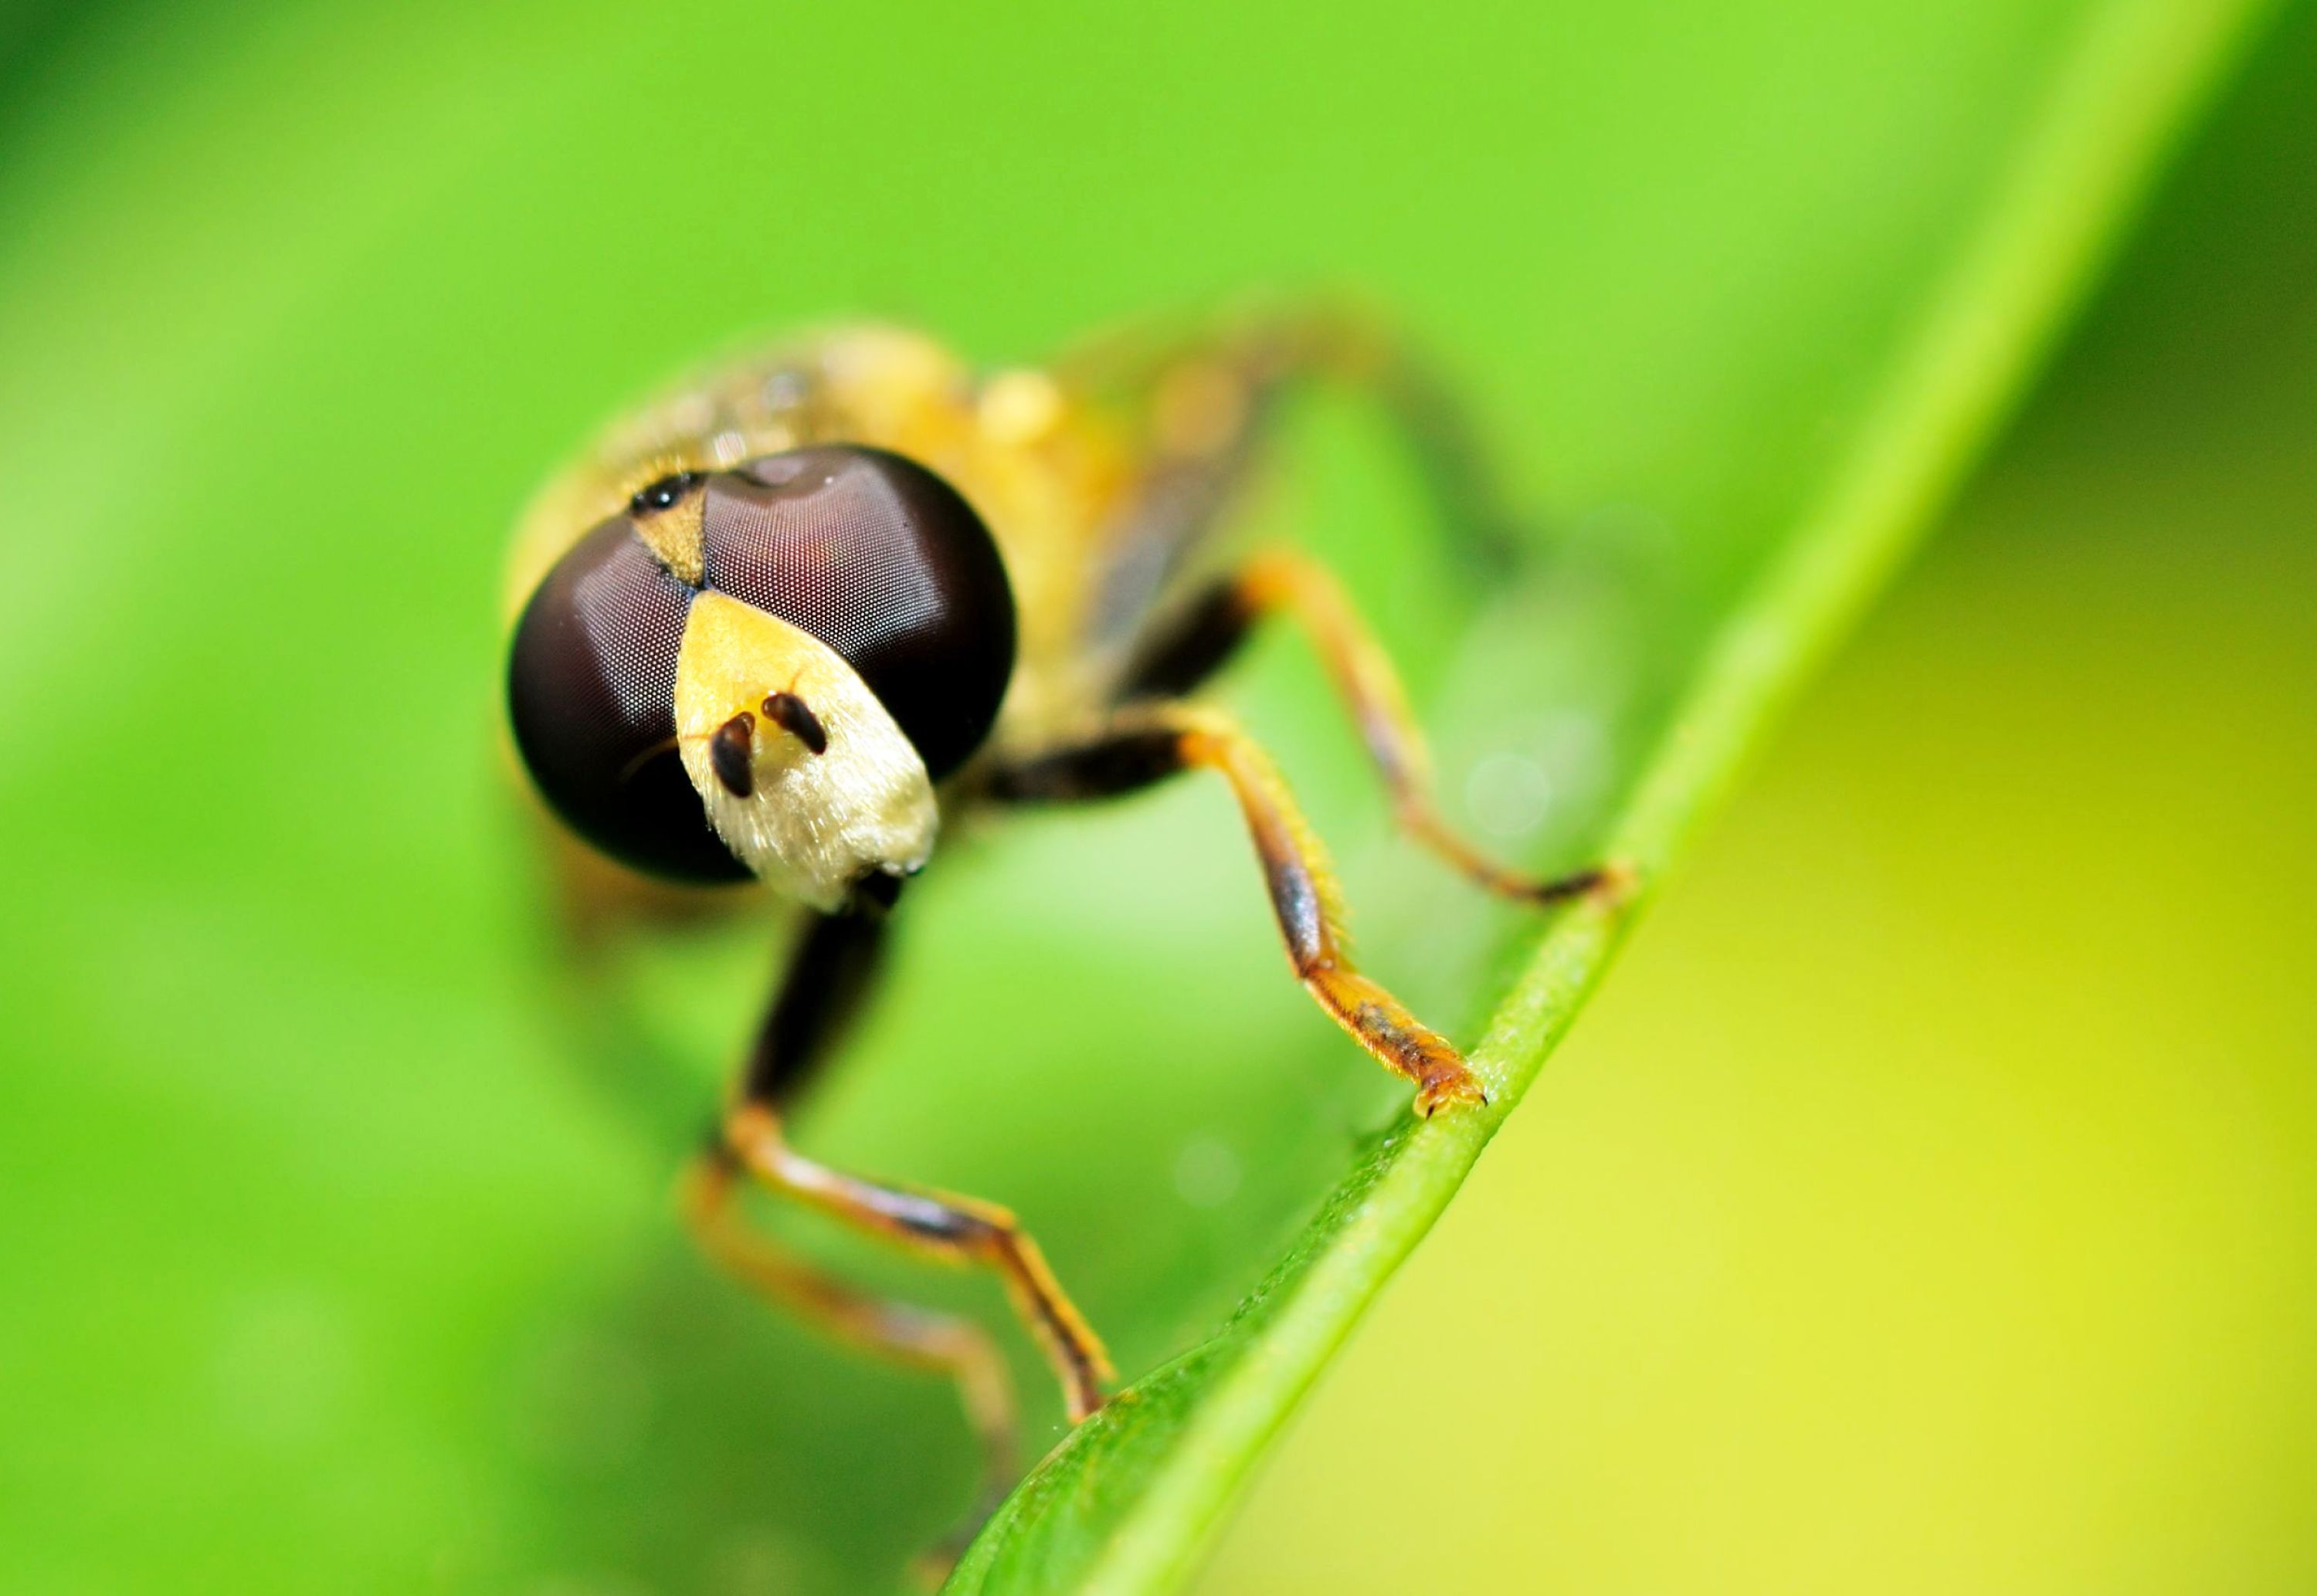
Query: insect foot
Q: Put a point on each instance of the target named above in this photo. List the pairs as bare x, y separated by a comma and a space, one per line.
1614, 883
1447, 1088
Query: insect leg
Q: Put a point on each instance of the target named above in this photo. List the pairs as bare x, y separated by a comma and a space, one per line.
952, 1229
1208, 631
1146, 745
1341, 344
828, 974
916, 1337
1208, 393
827, 977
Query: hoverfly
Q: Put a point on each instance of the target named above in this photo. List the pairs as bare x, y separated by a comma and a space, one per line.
787, 623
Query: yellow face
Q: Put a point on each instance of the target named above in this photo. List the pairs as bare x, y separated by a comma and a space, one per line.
813, 823
763, 671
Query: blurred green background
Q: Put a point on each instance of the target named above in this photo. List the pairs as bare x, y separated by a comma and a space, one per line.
1924, 1203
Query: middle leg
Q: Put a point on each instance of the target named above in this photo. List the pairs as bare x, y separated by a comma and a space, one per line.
1205, 634
1147, 745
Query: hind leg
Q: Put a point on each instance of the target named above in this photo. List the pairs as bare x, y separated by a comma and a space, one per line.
1203, 393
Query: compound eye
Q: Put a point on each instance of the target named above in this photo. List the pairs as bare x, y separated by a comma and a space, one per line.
591, 692
884, 562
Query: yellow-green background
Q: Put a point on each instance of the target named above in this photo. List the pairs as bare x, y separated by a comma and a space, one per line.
1924, 1203
1929, 1202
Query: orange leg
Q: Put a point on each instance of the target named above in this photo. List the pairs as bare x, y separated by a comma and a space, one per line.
1213, 626
956, 1230
913, 1336
1146, 744
1207, 392
828, 974
1362, 674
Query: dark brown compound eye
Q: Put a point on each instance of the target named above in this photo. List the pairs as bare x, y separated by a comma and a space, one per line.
884, 562
591, 692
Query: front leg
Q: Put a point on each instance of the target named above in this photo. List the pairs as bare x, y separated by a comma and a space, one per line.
1148, 745
828, 974
938, 1224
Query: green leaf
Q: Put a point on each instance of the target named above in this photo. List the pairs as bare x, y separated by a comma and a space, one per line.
336, 1248
1128, 1503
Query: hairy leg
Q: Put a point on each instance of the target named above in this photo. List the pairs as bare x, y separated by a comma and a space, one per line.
902, 1332
828, 974
1200, 397
940, 1225
1207, 631
1150, 743
1205, 391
